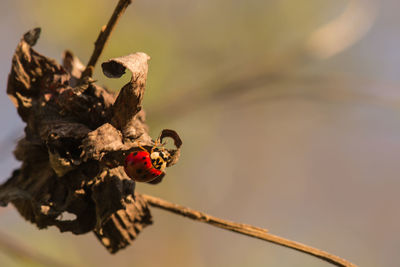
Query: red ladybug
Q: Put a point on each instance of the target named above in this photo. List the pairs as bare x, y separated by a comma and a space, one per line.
143, 166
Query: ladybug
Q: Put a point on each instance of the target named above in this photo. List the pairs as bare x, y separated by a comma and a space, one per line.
144, 166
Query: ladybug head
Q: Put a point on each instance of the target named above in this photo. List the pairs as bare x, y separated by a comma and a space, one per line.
159, 158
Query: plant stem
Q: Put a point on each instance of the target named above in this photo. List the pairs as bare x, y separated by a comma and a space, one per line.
245, 229
104, 35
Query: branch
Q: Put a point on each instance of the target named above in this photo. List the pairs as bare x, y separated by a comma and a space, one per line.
104, 35
245, 229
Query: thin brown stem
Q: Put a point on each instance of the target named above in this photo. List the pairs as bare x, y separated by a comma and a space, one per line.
245, 229
104, 36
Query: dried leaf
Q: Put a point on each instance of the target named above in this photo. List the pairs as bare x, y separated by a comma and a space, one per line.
76, 140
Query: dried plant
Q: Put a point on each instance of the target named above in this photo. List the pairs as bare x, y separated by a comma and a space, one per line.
77, 136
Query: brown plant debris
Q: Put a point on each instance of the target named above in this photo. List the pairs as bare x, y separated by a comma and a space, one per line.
77, 135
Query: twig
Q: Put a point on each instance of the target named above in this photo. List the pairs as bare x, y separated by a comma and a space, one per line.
15, 249
245, 229
104, 35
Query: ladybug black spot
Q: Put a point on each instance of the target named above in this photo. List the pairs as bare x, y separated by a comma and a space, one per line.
144, 158
134, 154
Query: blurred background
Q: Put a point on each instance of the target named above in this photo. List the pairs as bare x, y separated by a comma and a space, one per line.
289, 113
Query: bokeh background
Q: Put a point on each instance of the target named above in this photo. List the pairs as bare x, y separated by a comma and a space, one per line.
289, 112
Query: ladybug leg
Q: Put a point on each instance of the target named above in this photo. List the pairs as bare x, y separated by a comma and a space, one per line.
158, 141
158, 138
156, 144
142, 148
